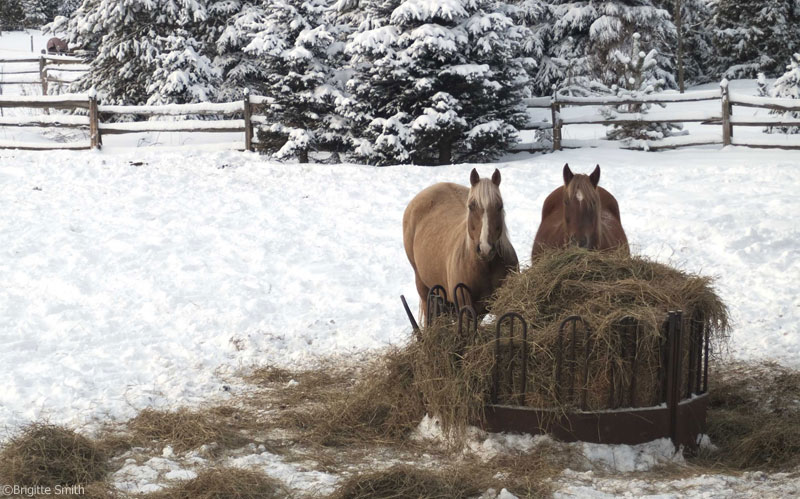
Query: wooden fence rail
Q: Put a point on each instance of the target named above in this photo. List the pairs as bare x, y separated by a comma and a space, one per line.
242, 117
725, 118
41, 70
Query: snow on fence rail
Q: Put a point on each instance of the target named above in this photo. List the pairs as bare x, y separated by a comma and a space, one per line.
241, 117
235, 117
42, 70
725, 117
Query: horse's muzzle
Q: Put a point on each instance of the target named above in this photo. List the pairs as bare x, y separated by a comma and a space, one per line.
486, 255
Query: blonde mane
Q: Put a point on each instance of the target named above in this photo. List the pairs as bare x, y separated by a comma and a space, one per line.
486, 194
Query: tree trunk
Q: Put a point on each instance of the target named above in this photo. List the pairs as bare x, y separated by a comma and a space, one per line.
445, 151
302, 156
679, 28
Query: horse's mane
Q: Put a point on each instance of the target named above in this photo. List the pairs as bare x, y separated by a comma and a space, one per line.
485, 193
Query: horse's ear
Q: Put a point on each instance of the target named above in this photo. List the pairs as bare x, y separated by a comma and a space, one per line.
567, 174
474, 178
594, 178
496, 177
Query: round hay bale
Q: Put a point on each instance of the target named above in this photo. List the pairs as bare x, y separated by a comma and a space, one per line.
48, 455
617, 296
623, 299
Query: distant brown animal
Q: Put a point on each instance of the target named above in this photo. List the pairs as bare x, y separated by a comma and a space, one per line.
57, 46
453, 234
581, 213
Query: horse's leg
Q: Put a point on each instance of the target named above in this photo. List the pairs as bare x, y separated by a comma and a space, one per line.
423, 290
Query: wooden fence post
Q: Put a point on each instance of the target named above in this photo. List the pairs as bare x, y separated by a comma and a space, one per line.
727, 128
94, 121
248, 125
43, 74
556, 116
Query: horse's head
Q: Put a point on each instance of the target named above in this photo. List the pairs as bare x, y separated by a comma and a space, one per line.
582, 208
486, 217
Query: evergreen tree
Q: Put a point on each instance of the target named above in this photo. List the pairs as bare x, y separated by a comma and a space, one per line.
12, 15
788, 87
753, 36
698, 50
640, 74
582, 37
437, 83
36, 13
286, 50
148, 51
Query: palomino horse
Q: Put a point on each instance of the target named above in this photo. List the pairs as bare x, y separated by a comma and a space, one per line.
579, 212
454, 234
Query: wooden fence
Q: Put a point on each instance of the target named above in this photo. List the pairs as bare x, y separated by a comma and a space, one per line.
238, 117
724, 118
243, 116
43, 70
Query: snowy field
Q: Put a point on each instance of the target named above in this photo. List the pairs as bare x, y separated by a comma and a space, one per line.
138, 277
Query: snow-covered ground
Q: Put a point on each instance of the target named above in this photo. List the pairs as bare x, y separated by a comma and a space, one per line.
144, 276
140, 278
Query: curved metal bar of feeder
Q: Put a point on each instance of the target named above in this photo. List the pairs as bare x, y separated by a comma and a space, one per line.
496, 384
462, 295
586, 352
472, 320
411, 319
436, 302
511, 317
560, 346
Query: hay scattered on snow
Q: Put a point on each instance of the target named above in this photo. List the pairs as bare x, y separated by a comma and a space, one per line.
224, 483
384, 405
754, 417
185, 429
407, 481
48, 455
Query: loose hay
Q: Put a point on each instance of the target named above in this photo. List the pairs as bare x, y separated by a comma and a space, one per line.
185, 429
452, 377
48, 455
383, 406
407, 481
224, 483
754, 417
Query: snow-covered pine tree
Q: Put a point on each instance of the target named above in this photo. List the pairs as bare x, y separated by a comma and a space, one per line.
437, 82
286, 52
788, 87
147, 51
37, 13
584, 35
753, 36
639, 71
698, 50
12, 15
762, 86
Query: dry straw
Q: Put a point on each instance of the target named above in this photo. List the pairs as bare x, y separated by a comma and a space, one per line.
48, 455
185, 429
407, 481
452, 376
754, 417
224, 483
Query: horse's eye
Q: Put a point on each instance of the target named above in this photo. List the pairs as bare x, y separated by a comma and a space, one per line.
472, 205
500, 208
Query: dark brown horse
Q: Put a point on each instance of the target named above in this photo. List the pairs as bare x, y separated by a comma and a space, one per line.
453, 234
581, 213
